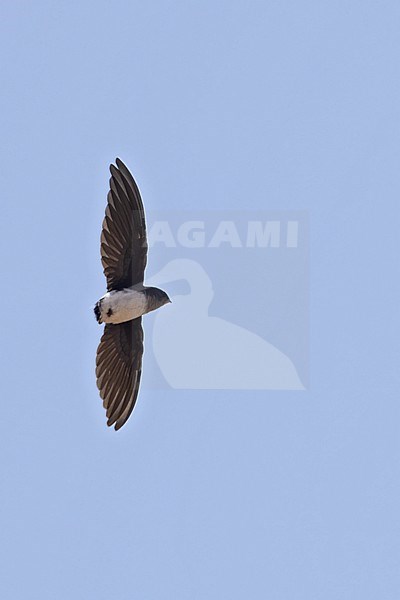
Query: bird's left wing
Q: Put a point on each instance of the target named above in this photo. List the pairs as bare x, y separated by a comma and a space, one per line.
118, 369
123, 243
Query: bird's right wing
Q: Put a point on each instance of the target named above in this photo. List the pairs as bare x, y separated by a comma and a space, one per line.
123, 242
118, 369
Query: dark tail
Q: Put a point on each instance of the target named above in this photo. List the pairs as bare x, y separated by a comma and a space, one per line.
97, 312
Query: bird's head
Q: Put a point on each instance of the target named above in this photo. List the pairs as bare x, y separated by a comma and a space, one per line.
156, 297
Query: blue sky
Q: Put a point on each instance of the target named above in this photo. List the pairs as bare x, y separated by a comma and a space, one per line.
228, 105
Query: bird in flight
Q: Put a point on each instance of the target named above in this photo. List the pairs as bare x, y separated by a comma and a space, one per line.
123, 248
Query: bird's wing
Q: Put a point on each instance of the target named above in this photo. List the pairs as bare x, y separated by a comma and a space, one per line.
118, 369
123, 243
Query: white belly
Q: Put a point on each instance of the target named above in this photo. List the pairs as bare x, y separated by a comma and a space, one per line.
118, 307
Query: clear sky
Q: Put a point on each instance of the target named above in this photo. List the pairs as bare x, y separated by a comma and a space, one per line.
203, 495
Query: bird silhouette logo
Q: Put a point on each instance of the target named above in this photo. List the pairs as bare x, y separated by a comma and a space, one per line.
211, 352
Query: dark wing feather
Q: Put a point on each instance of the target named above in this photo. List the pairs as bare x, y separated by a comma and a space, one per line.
118, 369
123, 243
